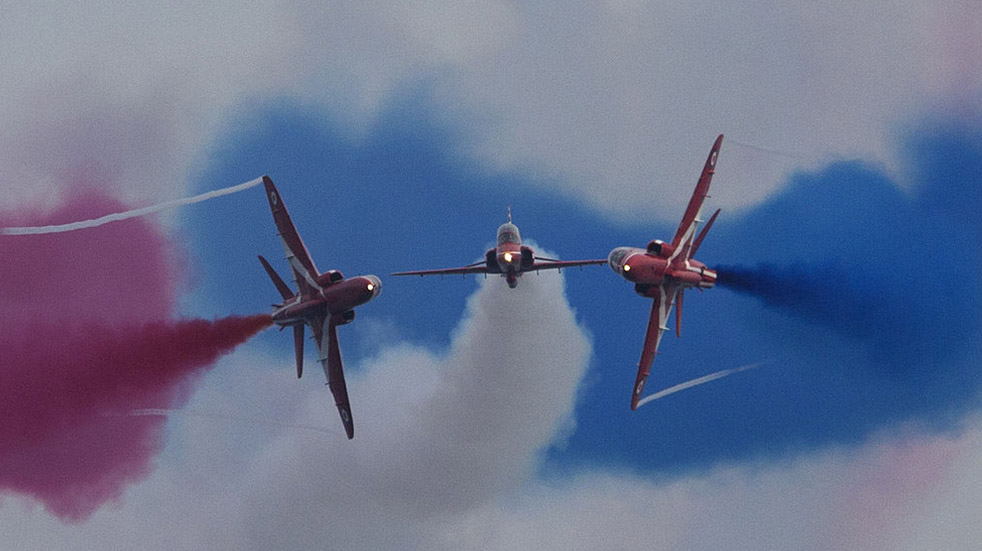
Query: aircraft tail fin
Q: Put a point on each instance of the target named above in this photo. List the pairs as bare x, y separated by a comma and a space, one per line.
702, 234
282, 287
298, 345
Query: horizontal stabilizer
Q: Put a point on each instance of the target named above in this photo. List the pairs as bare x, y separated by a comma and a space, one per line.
282, 287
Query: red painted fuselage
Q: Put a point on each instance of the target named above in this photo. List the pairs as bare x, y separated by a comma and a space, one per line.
650, 269
333, 299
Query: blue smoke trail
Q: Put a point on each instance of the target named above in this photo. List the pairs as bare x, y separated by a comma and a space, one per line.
896, 275
844, 301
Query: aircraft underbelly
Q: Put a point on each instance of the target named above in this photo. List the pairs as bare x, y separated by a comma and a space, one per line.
297, 313
647, 270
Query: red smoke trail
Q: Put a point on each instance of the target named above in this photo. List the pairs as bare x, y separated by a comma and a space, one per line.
85, 336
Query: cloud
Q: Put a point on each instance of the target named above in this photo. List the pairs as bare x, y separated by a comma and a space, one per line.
449, 455
440, 433
128, 95
835, 499
618, 102
607, 103
898, 492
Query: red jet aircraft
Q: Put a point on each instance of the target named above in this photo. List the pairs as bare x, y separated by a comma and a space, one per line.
509, 258
324, 301
663, 271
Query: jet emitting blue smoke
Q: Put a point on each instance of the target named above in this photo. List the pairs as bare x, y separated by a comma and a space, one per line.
865, 292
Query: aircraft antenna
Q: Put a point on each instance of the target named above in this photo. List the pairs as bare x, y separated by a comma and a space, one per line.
509, 213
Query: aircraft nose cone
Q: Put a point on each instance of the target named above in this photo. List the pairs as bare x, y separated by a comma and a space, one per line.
618, 258
374, 285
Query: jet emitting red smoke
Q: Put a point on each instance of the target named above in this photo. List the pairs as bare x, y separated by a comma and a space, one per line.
86, 335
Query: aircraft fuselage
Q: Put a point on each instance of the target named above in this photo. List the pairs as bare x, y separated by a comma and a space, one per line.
648, 269
509, 255
336, 298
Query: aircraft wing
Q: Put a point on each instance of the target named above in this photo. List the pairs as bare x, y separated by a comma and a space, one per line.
549, 264
475, 268
691, 219
297, 255
661, 307
326, 336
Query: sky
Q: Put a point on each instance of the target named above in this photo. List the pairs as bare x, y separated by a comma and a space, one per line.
398, 134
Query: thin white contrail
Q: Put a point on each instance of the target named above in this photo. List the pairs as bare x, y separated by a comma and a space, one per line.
224, 416
771, 150
699, 381
82, 224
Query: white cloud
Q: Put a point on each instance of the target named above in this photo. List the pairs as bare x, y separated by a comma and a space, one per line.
946, 514
446, 456
129, 94
618, 102
622, 100
614, 102
873, 497
434, 435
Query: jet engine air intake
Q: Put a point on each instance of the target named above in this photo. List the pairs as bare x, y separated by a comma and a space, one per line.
660, 248
528, 259
329, 277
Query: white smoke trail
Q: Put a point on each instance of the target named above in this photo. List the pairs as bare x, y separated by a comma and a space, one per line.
226, 417
699, 381
82, 224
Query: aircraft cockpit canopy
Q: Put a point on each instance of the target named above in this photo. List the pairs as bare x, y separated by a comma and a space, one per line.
619, 256
508, 233
616, 257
